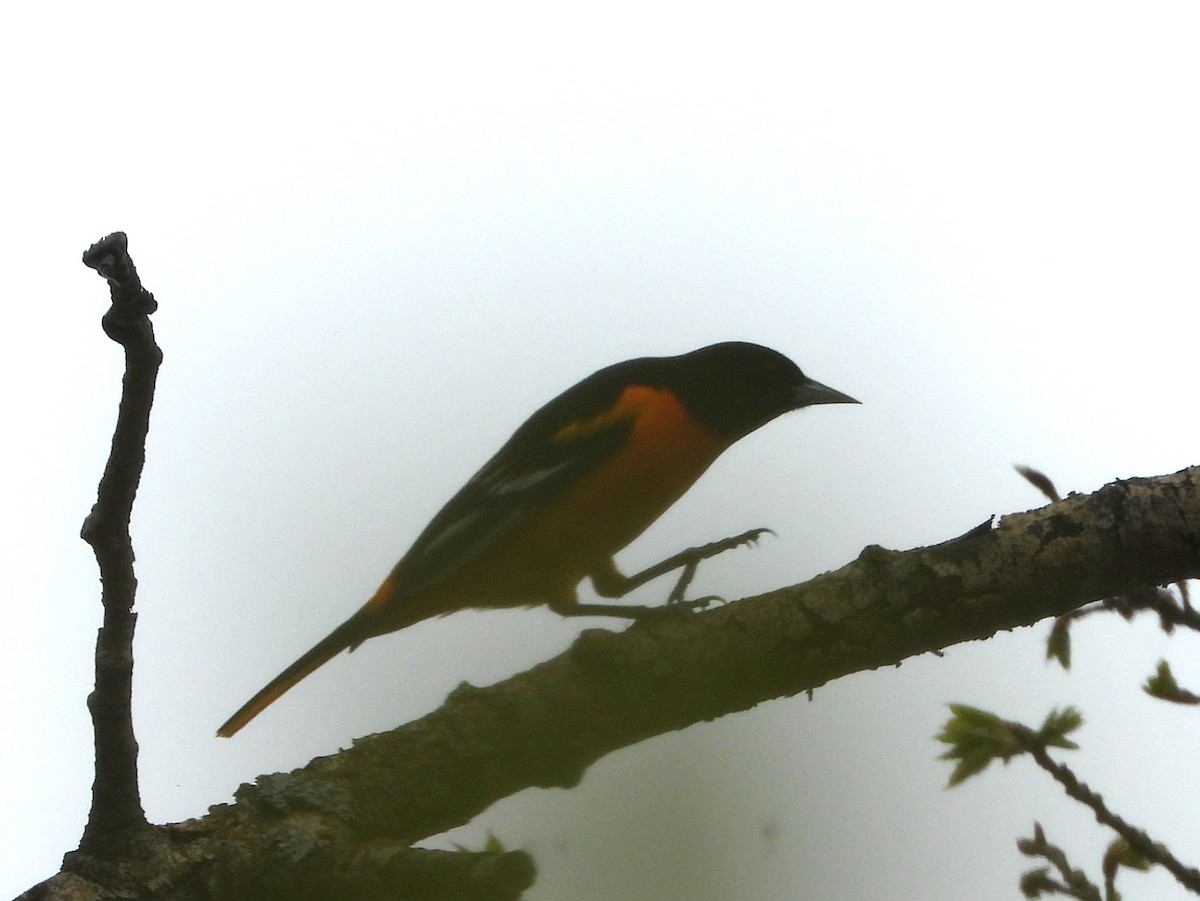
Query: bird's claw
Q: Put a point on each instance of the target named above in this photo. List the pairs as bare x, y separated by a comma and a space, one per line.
749, 539
696, 554
680, 607
697, 603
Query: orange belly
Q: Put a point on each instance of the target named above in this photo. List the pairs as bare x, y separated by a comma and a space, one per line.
544, 559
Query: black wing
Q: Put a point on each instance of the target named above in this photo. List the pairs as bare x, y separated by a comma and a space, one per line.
555, 448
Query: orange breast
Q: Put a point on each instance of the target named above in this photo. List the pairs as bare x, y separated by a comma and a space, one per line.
547, 557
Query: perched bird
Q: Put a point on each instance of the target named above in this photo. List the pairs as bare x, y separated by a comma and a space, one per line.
582, 478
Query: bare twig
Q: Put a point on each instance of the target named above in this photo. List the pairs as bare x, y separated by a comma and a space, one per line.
1040, 481
116, 814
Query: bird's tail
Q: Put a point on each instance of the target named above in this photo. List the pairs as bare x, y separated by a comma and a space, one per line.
349, 634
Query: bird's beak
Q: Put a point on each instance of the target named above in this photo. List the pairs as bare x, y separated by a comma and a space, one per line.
811, 393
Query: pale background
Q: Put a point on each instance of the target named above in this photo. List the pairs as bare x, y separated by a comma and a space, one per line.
382, 235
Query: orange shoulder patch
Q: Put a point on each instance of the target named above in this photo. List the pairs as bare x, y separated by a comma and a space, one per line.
632, 402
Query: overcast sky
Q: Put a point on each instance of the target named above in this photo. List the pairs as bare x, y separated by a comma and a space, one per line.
382, 234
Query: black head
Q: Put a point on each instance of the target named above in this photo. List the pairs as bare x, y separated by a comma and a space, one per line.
735, 387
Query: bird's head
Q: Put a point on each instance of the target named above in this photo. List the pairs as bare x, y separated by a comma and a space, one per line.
736, 387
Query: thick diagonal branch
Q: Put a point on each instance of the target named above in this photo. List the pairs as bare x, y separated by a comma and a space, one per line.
610, 690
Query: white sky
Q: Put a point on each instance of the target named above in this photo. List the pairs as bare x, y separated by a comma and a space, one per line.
381, 235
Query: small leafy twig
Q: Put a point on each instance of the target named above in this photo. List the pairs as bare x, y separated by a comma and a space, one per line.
1138, 841
1162, 685
1118, 855
1171, 613
1074, 884
977, 737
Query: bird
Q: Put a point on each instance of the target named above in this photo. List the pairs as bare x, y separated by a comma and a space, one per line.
578, 481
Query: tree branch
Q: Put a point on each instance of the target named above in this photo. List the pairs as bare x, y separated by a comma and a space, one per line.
116, 814
609, 690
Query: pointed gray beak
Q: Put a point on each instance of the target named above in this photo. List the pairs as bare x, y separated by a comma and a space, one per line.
812, 393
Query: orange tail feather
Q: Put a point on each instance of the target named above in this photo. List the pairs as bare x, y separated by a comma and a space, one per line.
348, 634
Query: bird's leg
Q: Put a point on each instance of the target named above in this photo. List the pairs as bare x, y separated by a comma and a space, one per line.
686, 562
609, 582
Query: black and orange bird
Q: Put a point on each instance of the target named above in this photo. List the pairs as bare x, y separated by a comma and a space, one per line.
581, 479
